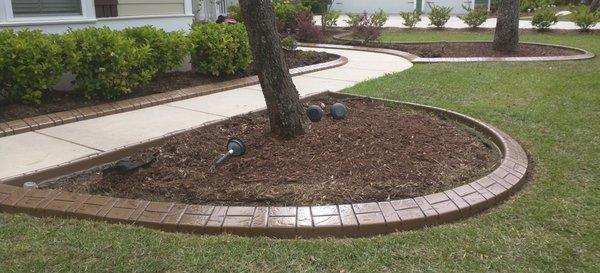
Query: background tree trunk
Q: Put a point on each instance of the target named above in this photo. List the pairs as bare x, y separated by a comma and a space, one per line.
286, 114
506, 35
594, 5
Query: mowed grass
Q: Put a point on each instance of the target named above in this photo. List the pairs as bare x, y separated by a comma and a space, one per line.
551, 225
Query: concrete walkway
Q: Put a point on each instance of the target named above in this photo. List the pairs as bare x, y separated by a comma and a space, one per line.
455, 22
44, 148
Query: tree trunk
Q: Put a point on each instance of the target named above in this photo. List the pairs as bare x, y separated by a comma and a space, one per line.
594, 5
286, 114
506, 35
323, 12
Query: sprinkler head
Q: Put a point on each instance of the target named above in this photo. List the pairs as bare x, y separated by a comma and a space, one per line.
339, 111
314, 113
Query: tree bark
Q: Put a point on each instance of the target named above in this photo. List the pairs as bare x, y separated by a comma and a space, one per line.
506, 35
594, 5
286, 114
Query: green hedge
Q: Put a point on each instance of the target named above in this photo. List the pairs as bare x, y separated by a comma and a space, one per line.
30, 63
220, 48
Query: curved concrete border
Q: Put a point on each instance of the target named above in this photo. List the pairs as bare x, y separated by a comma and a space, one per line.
584, 54
44, 121
345, 220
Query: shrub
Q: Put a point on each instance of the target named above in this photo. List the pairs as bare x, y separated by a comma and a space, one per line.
289, 43
167, 48
544, 18
235, 12
532, 5
30, 63
583, 18
306, 30
107, 64
331, 18
474, 17
219, 48
367, 27
439, 15
286, 13
411, 18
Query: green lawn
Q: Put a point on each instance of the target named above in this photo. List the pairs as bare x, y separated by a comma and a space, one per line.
551, 225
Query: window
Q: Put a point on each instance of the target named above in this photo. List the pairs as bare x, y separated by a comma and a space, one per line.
31, 8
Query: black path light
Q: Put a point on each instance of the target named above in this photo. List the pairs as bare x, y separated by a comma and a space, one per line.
235, 147
338, 111
314, 113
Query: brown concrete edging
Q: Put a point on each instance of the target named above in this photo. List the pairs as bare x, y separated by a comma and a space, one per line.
583, 54
18, 126
340, 220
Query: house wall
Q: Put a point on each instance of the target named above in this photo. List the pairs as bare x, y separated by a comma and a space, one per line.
395, 6
150, 7
169, 15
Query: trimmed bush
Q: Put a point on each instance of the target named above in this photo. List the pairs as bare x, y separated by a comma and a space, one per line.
235, 12
544, 18
286, 13
411, 18
439, 15
331, 18
306, 29
220, 48
107, 64
583, 18
474, 17
289, 43
367, 27
30, 63
167, 48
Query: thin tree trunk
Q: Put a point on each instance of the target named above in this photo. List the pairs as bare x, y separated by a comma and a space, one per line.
594, 5
323, 12
506, 35
286, 114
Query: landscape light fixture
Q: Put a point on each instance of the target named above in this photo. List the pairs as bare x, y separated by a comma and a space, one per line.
314, 113
338, 111
235, 147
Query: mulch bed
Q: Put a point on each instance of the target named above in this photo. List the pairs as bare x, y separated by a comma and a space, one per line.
456, 49
61, 101
380, 152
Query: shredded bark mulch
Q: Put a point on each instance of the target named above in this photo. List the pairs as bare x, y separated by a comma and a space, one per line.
58, 101
379, 152
455, 49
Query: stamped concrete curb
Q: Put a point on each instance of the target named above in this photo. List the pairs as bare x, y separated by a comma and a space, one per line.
344, 220
44, 121
584, 54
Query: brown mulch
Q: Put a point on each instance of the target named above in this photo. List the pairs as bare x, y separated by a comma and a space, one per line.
379, 152
456, 49
58, 101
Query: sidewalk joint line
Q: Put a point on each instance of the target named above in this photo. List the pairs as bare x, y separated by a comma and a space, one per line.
198, 111
69, 141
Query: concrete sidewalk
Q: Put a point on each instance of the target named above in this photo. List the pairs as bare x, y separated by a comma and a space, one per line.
455, 22
44, 148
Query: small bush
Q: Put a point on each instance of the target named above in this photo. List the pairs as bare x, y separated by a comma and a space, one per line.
289, 43
367, 27
411, 18
331, 18
583, 18
474, 17
532, 5
544, 18
219, 48
439, 15
306, 29
108, 65
30, 63
167, 48
236, 12
286, 13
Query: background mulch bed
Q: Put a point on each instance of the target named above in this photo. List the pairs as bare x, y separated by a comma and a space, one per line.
379, 152
58, 101
454, 49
